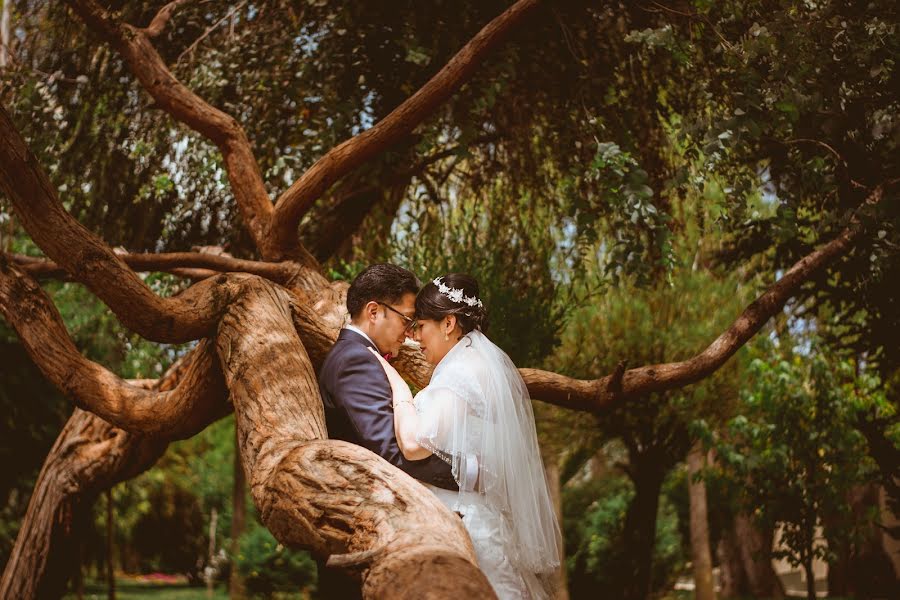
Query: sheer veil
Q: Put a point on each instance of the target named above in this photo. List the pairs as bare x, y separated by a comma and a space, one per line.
477, 406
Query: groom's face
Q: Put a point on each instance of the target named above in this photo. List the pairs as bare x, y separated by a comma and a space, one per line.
388, 330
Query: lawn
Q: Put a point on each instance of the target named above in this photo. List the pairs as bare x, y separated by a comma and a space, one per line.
129, 589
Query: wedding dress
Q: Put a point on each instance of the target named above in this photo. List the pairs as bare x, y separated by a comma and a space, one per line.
476, 414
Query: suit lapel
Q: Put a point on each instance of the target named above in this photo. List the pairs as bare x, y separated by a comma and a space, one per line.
348, 335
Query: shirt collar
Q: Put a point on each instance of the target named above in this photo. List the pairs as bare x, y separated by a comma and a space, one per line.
356, 329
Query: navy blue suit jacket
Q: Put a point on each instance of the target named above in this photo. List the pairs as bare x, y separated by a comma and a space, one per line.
359, 408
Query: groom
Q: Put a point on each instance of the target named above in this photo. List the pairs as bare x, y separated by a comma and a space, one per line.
355, 390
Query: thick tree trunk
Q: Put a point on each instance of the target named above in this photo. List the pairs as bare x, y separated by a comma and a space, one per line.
756, 555
640, 528
335, 498
700, 555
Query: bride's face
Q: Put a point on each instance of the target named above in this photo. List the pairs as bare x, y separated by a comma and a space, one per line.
437, 337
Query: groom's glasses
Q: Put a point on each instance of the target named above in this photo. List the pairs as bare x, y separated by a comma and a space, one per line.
410, 322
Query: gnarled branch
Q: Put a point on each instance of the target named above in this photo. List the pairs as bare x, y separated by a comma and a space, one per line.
177, 413
161, 19
173, 262
345, 157
88, 259
180, 102
332, 497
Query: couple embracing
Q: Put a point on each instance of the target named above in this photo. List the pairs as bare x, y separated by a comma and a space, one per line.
469, 436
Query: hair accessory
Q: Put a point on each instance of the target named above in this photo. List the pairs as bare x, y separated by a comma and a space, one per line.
456, 294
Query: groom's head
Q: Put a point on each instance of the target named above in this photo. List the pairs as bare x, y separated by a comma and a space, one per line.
382, 301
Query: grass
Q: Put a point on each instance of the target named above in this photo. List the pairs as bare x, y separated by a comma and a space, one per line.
127, 589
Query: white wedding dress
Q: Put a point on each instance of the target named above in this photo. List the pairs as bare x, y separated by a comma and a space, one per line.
476, 414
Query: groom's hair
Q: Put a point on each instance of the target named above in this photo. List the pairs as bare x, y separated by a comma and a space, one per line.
380, 283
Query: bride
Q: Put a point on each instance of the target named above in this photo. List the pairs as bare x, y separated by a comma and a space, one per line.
476, 415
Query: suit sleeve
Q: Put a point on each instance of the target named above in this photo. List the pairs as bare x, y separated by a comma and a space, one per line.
362, 389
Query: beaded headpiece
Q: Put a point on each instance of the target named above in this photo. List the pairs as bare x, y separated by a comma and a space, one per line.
456, 294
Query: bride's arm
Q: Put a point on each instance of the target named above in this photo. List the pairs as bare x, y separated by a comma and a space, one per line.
406, 420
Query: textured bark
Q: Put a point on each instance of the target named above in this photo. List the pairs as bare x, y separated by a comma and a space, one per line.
173, 262
87, 458
180, 412
343, 158
335, 498
161, 19
175, 98
188, 316
700, 554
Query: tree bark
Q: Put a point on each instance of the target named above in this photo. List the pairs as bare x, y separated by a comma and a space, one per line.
700, 555
551, 470
136, 47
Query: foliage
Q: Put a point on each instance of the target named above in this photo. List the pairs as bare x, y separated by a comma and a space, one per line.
516, 279
594, 517
269, 567
795, 440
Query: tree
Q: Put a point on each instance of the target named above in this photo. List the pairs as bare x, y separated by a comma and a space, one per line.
263, 325
797, 446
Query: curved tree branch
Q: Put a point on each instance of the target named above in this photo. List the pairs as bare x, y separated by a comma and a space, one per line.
345, 157
178, 413
180, 102
161, 19
171, 262
88, 259
601, 394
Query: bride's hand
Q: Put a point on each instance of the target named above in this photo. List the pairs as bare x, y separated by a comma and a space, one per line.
390, 371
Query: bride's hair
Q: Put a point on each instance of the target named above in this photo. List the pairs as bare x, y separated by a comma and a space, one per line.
433, 304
